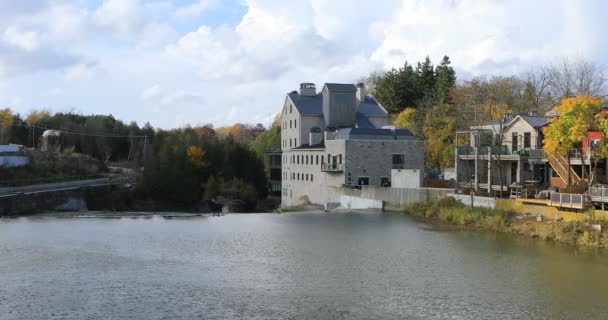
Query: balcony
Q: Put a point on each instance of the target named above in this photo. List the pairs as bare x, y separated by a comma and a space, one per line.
332, 167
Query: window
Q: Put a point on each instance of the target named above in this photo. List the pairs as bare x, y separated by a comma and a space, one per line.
527, 140
385, 182
317, 159
298, 159
293, 176
340, 158
298, 176
290, 106
311, 177
290, 143
306, 159
514, 141
398, 161
295, 143
295, 123
289, 123
363, 181
307, 177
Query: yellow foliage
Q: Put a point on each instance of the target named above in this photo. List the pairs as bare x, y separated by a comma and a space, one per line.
407, 119
439, 128
37, 116
576, 116
195, 155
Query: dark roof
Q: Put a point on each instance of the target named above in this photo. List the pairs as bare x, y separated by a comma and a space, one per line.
313, 105
536, 121
307, 104
341, 86
370, 107
363, 122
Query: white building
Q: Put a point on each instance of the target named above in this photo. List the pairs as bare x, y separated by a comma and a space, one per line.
336, 138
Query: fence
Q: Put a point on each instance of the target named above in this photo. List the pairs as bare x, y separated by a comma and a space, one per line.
567, 200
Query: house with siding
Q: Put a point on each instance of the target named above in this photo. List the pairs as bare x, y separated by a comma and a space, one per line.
339, 137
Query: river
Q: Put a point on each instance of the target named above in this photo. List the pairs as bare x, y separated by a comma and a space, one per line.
290, 266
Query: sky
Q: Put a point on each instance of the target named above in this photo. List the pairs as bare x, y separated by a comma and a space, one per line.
179, 62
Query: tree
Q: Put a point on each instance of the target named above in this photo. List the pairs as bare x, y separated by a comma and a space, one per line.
445, 79
195, 154
409, 119
577, 77
6, 124
439, 131
576, 116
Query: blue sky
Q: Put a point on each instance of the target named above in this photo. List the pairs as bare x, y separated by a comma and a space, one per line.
178, 62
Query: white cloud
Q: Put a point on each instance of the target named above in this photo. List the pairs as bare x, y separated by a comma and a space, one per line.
120, 16
81, 71
226, 72
191, 11
151, 92
26, 40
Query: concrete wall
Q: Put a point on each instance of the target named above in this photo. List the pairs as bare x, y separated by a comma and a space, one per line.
481, 202
13, 161
395, 199
352, 202
406, 178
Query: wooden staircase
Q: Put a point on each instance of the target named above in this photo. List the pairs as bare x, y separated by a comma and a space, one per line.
560, 165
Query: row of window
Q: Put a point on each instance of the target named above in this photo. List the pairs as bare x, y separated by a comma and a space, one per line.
294, 123
299, 176
310, 159
527, 141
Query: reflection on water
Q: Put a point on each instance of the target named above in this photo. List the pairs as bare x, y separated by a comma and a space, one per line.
294, 266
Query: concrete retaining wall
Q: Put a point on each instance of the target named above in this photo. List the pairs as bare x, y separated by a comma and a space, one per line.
481, 202
350, 202
393, 198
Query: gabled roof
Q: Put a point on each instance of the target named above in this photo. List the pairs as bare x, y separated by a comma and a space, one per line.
310, 105
534, 121
363, 122
313, 105
341, 86
370, 107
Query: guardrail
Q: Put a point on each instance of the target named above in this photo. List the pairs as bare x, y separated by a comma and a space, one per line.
567, 200
598, 194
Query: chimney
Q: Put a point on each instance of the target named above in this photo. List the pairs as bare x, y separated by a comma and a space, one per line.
315, 136
361, 91
308, 89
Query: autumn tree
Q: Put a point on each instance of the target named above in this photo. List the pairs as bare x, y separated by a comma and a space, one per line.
409, 119
576, 116
6, 123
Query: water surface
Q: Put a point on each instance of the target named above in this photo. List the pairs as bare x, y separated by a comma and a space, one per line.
291, 266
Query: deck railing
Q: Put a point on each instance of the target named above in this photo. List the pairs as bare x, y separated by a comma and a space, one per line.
567, 200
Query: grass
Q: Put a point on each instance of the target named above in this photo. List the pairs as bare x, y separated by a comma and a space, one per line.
450, 211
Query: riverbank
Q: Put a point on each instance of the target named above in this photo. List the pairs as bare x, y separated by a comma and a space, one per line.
453, 213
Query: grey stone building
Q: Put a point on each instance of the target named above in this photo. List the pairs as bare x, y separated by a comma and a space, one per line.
339, 137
